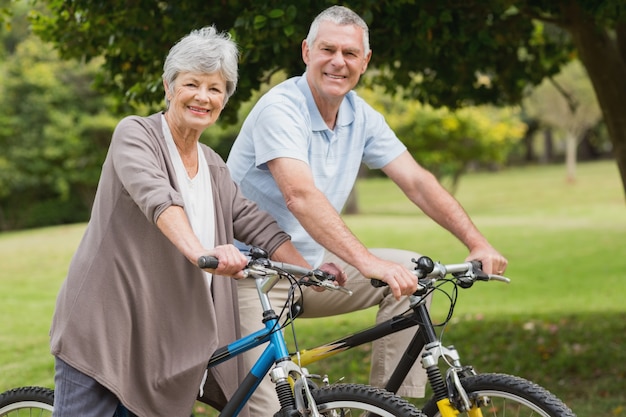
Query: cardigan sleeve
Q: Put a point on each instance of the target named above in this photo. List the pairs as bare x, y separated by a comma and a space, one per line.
250, 224
143, 167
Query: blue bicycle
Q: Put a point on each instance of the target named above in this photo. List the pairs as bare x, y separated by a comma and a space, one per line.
299, 393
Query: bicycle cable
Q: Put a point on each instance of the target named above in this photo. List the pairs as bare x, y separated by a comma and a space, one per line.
453, 300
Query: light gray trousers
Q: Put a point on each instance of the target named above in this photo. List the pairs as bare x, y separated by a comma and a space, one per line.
386, 352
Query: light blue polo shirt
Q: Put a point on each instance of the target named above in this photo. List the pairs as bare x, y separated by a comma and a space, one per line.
285, 123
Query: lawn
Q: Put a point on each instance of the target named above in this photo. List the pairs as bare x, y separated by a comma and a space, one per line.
561, 322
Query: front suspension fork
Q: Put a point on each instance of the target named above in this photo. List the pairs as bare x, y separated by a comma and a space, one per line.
450, 395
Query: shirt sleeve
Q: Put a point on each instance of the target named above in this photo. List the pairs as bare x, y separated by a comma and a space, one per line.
381, 145
282, 129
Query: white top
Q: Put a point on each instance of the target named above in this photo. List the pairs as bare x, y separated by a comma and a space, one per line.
197, 193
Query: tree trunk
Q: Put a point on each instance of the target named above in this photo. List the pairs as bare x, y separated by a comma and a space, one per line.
529, 149
571, 143
548, 146
606, 66
352, 205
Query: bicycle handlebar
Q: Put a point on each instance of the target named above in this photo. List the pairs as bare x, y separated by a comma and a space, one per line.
465, 273
426, 270
210, 262
259, 263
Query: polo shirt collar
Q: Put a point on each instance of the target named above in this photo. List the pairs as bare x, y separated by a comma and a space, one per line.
346, 112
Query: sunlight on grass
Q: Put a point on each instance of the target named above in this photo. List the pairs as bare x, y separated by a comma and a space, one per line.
563, 241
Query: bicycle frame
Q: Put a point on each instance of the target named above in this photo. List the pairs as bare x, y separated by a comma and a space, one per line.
426, 340
276, 352
424, 335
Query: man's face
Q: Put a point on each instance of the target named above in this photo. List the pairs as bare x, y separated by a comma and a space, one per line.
336, 60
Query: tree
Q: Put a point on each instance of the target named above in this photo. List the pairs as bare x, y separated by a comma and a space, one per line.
54, 132
448, 142
445, 53
566, 102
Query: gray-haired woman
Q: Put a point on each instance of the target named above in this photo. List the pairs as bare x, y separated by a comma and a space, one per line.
136, 320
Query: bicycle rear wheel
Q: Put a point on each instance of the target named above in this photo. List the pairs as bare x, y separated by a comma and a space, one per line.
508, 396
27, 401
361, 400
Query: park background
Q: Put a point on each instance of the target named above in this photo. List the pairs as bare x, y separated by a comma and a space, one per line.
537, 176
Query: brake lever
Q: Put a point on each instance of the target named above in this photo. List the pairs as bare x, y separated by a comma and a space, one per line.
325, 280
334, 287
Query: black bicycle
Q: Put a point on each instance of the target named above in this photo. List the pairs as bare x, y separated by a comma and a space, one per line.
458, 389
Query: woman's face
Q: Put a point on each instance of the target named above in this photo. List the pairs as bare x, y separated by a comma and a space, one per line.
197, 100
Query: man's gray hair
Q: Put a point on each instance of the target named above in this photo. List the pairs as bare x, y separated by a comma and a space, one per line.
204, 51
339, 15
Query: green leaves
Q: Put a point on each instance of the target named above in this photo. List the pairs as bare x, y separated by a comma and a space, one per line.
447, 142
53, 135
446, 42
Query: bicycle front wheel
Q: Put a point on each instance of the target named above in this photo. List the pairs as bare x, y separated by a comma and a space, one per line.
361, 400
507, 396
27, 401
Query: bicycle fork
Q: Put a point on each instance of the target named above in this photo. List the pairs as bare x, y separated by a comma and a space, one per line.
291, 380
294, 394
452, 399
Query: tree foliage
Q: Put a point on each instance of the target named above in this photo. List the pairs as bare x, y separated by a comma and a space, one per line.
566, 103
449, 142
54, 131
450, 45
444, 53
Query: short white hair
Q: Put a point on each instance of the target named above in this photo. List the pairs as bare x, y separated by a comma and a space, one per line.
339, 15
204, 51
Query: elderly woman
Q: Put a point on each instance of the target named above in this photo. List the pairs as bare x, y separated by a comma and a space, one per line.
136, 320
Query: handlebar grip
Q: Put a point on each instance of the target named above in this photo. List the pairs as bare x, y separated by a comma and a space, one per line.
377, 283
210, 262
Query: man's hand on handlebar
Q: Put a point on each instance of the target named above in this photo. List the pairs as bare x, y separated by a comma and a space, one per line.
401, 281
338, 273
492, 261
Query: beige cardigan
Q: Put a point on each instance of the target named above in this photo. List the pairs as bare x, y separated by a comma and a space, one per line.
133, 312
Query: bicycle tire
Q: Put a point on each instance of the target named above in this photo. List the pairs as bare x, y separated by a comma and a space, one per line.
510, 395
31, 401
354, 399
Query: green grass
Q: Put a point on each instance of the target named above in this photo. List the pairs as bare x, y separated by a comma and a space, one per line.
561, 322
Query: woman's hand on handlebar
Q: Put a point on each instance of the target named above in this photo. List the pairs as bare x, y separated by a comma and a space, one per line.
231, 261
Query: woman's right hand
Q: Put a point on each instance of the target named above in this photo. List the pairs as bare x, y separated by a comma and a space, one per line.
231, 261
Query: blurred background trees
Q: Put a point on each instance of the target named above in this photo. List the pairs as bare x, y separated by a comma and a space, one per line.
54, 131
467, 85
566, 103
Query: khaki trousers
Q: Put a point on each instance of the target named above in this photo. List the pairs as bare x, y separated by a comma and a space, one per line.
386, 352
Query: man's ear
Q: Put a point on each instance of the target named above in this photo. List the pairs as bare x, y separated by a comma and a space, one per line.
305, 52
366, 62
